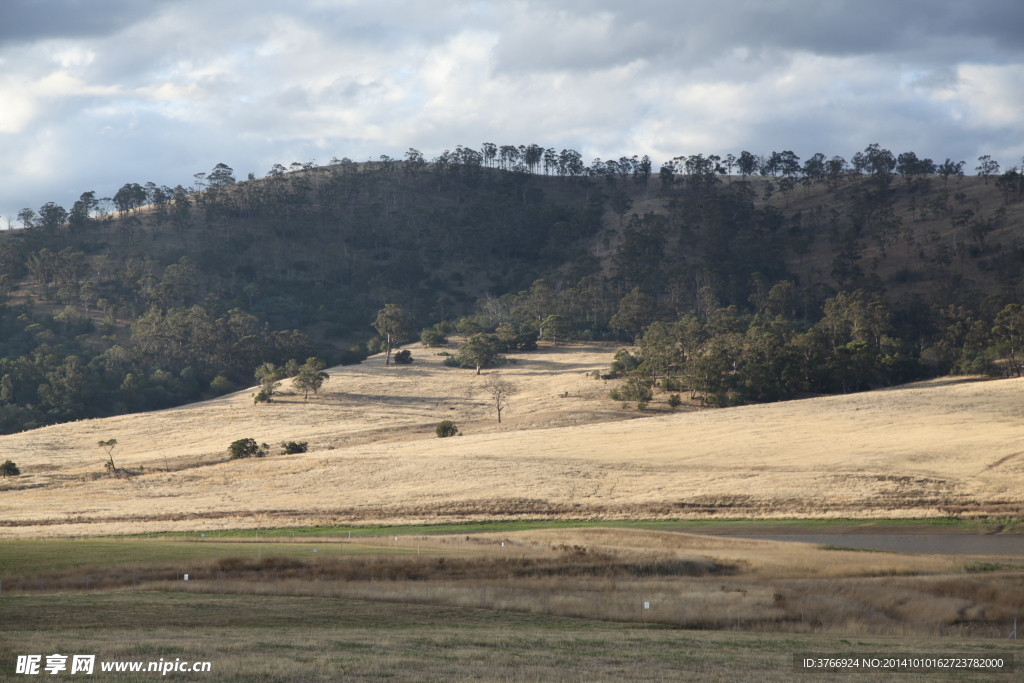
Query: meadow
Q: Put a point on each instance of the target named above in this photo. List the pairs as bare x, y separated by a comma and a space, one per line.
686, 580
564, 450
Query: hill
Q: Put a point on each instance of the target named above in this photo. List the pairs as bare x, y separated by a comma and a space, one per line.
565, 451
822, 278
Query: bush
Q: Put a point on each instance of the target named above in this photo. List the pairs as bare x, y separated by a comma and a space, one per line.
292, 447
9, 469
674, 401
261, 397
245, 448
375, 345
403, 357
623, 362
433, 337
446, 428
221, 385
452, 362
354, 354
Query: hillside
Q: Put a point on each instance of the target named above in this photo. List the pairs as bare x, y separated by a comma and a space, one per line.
564, 451
828, 278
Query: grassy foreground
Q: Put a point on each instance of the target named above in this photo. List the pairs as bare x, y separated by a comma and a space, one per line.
265, 638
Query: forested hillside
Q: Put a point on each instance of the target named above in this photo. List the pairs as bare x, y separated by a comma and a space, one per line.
741, 279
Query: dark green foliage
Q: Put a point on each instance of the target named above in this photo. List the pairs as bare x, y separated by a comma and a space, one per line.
446, 428
403, 357
433, 337
293, 447
9, 469
245, 448
674, 401
479, 351
221, 385
314, 252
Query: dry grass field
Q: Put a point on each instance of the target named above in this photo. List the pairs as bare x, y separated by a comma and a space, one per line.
564, 450
269, 638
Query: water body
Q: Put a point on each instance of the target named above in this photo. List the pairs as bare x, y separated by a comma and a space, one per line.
932, 544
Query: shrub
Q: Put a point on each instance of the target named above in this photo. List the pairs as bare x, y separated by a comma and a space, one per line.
354, 354
674, 401
375, 345
9, 469
446, 428
432, 337
261, 397
403, 357
245, 448
221, 385
623, 362
452, 362
292, 447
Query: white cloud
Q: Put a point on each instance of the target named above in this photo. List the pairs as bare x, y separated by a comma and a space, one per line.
184, 85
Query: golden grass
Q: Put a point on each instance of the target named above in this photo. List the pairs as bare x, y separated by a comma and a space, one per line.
565, 451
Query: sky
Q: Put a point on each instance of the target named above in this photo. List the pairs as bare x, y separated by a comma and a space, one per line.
98, 93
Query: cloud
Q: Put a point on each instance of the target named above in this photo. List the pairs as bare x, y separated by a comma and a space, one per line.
105, 92
26, 21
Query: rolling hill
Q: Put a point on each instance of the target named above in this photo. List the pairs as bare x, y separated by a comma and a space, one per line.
565, 450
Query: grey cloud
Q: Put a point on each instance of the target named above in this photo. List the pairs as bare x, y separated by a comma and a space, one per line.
24, 21
685, 35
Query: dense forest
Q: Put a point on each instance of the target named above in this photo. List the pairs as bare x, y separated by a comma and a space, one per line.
749, 278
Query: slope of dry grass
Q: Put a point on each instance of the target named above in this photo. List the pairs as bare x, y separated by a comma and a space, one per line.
564, 450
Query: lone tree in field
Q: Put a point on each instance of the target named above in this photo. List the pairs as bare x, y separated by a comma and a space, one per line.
109, 446
9, 469
394, 326
310, 377
478, 351
499, 389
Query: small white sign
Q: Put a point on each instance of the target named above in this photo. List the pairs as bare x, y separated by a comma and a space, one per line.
186, 577
202, 535
314, 550
647, 605
503, 545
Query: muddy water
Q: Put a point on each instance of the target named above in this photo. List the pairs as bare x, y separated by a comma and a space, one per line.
937, 544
